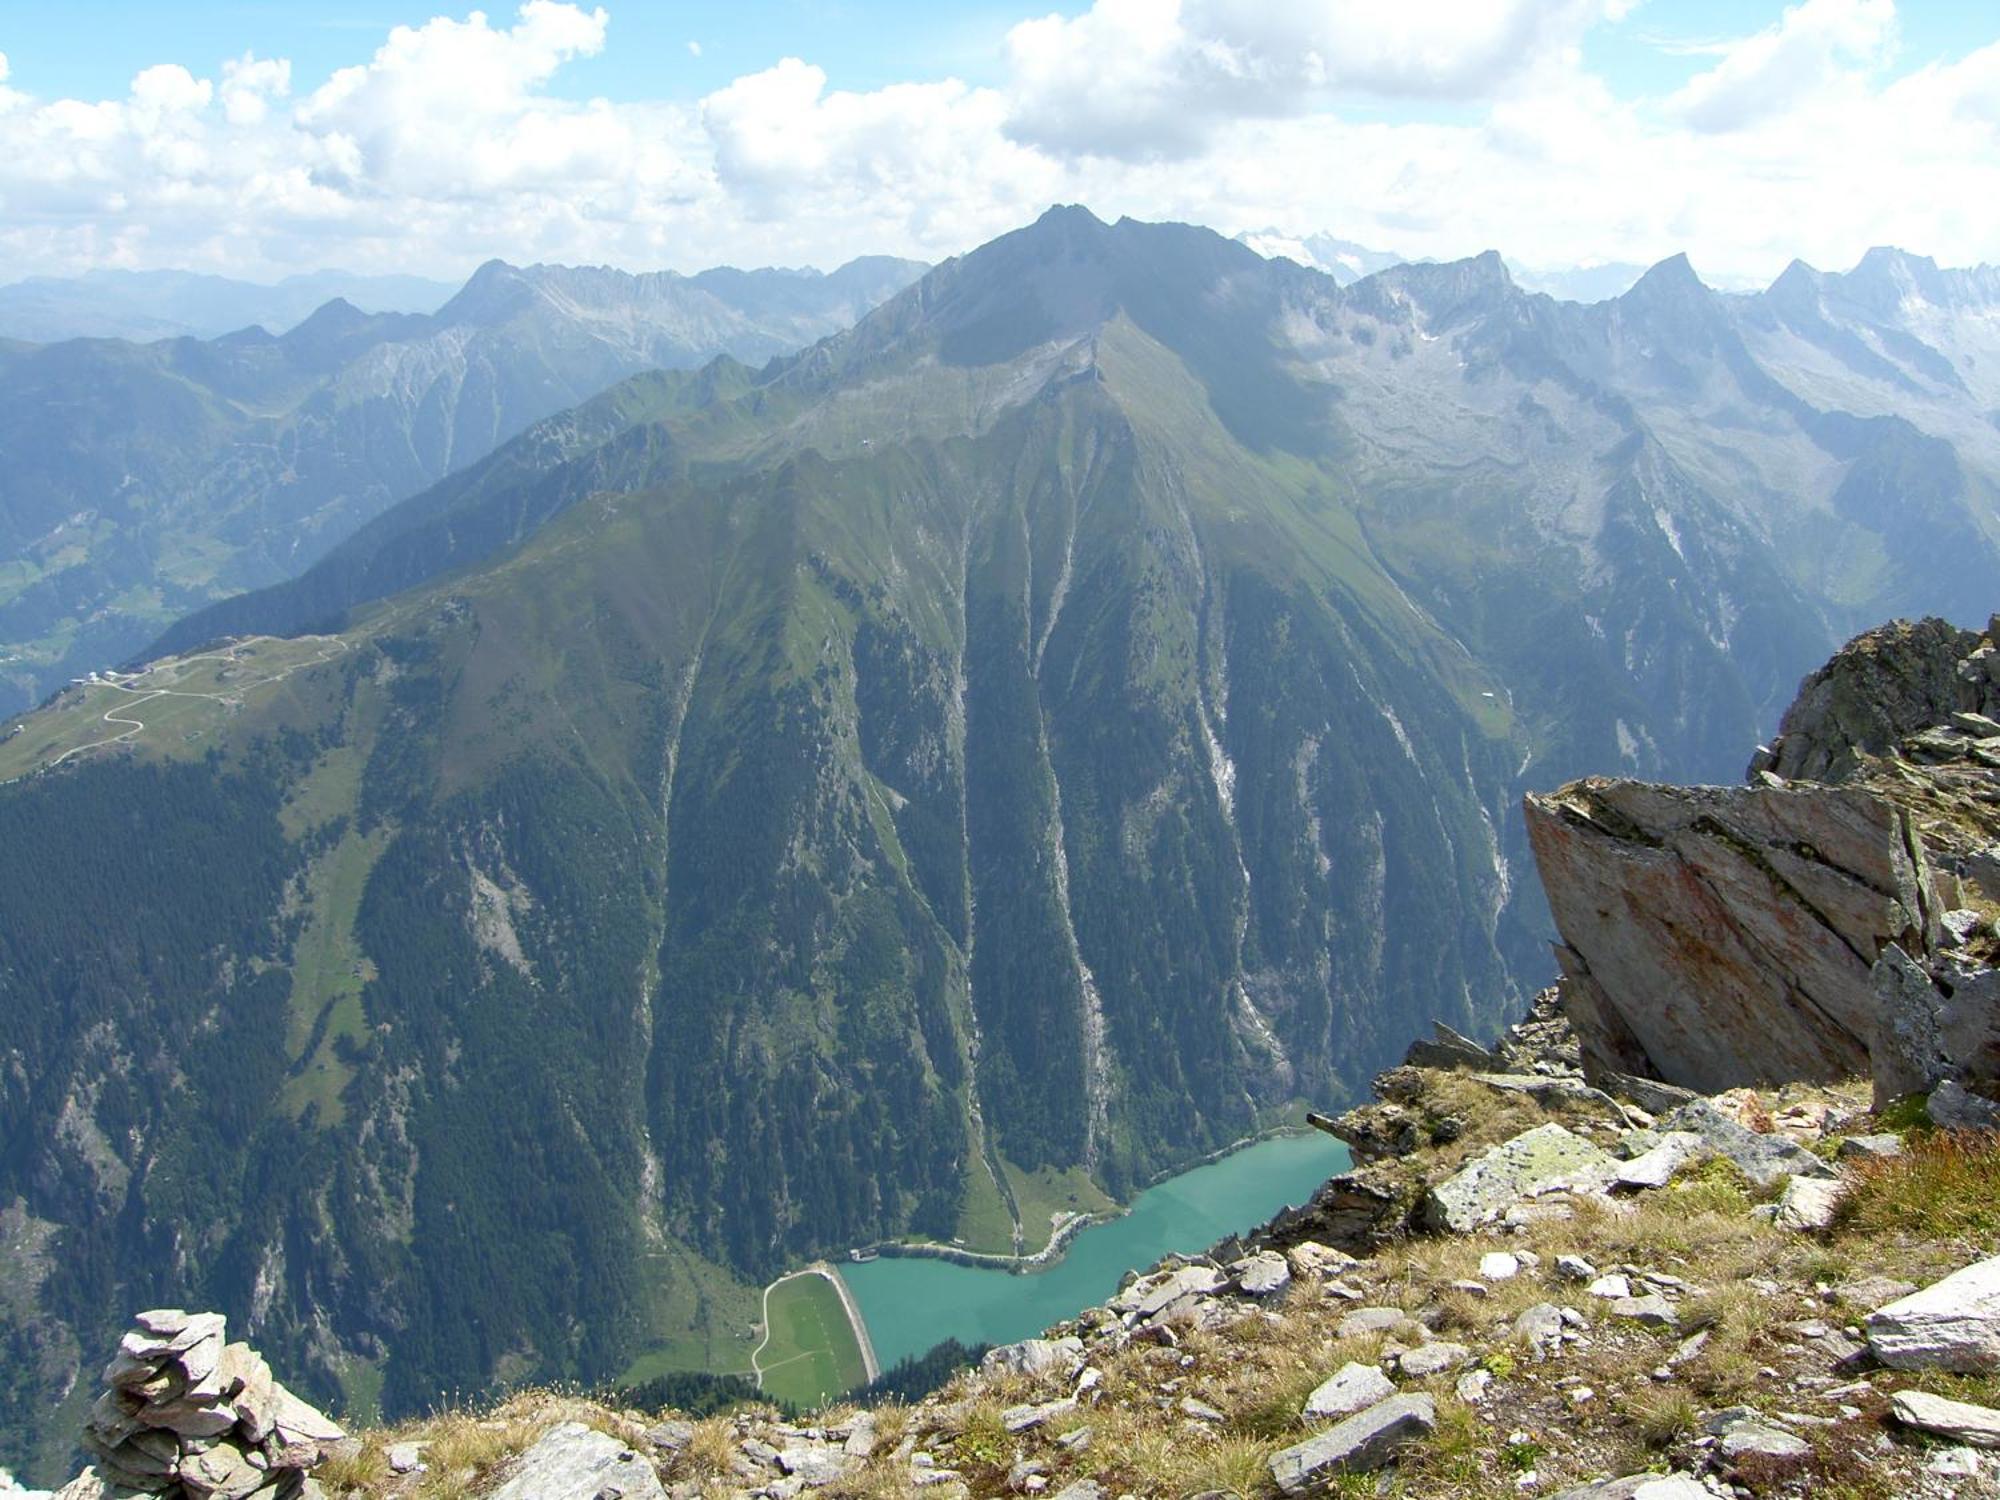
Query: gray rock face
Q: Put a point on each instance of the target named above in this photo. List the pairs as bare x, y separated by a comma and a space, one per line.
1741, 1431
1539, 1160
1719, 936
1656, 1168
1959, 1421
1878, 690
1764, 1159
1351, 1388
575, 1462
1933, 1024
1367, 1440
1432, 1359
1953, 1107
1953, 1324
1264, 1274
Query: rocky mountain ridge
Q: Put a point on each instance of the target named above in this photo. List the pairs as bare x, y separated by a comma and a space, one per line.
146, 479
1010, 749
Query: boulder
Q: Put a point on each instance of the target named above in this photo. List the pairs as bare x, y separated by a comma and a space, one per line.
1718, 936
1264, 1274
575, 1462
1953, 1324
1367, 1440
1447, 1048
1035, 1357
1544, 1159
1350, 1389
1764, 1159
1878, 689
1951, 1106
1653, 1310
1656, 1168
1871, 1147
91, 1485
1809, 1203
1741, 1431
1498, 1265
1960, 1421
1427, 1360
1152, 1295
1366, 1320
1540, 1328
1649, 1094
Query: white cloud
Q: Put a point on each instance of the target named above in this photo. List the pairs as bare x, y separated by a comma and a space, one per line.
250, 85
694, 49
1142, 79
451, 143
1814, 49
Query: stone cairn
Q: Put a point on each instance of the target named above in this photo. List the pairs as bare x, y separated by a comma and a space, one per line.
191, 1417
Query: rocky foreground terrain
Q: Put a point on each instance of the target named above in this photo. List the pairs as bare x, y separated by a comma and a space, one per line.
1717, 1219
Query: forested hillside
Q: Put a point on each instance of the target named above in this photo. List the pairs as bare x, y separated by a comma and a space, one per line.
1048, 729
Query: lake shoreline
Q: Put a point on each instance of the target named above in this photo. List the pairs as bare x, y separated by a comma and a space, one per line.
912, 1302
1051, 1254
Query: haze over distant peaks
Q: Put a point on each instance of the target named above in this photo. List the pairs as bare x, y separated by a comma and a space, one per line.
147, 305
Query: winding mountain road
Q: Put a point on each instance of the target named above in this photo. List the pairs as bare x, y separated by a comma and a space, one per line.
141, 696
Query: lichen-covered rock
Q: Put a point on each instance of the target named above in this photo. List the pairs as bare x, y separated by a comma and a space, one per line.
1764, 1159
1544, 1159
1877, 690
575, 1462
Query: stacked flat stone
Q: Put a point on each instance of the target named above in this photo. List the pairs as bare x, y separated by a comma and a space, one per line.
187, 1415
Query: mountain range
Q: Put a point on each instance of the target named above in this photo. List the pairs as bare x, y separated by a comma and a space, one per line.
146, 479
1010, 748
142, 306
1347, 262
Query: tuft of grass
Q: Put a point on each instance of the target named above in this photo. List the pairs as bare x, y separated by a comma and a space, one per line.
1663, 1416
1945, 1185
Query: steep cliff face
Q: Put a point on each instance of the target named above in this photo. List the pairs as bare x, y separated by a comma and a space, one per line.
1716, 936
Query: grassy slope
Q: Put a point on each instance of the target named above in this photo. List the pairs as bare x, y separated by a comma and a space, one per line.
811, 1356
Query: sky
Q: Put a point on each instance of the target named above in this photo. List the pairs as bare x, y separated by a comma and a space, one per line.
262, 137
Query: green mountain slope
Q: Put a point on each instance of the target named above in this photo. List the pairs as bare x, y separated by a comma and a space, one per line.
144, 480
1052, 726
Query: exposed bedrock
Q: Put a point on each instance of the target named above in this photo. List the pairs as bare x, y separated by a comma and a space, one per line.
1799, 929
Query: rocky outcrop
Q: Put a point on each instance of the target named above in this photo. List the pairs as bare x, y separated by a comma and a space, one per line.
575, 1462
189, 1416
1797, 929
1880, 689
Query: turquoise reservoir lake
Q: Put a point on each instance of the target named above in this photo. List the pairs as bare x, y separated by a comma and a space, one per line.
910, 1304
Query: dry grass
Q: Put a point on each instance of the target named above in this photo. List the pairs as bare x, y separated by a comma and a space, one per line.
1946, 1186
462, 1449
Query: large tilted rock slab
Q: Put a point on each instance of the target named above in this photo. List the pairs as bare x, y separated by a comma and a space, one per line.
1953, 1324
1367, 1440
1959, 1421
1719, 936
575, 1462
